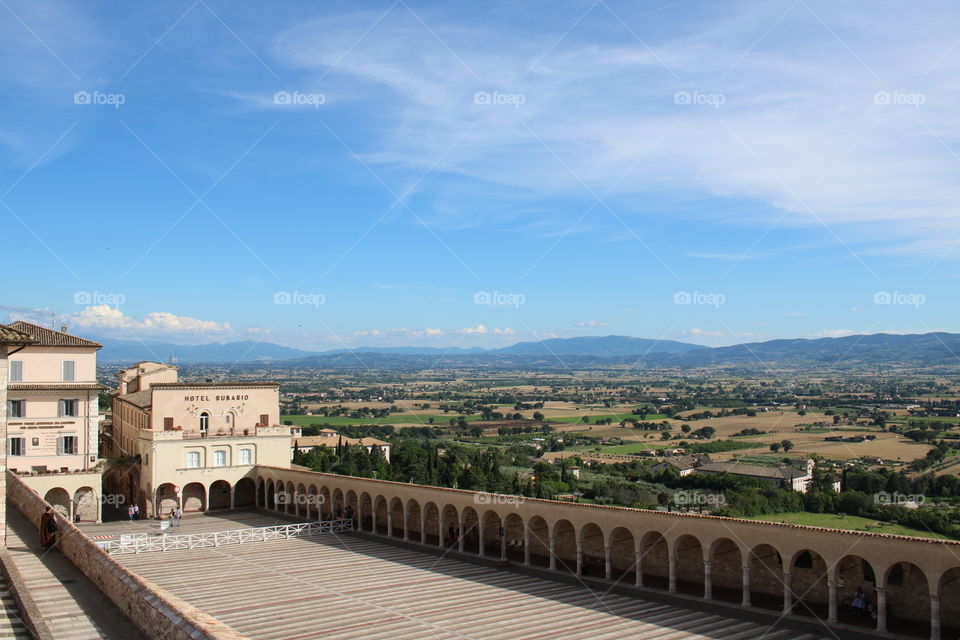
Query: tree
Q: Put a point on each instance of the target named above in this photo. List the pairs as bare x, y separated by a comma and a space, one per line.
685, 428
787, 445
775, 447
585, 419
538, 416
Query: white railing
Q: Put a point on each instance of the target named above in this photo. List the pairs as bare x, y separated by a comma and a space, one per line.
139, 543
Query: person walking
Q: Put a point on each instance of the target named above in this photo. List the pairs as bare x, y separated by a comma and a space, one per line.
48, 529
178, 516
136, 512
130, 513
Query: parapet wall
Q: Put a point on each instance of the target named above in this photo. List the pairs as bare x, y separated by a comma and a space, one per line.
155, 611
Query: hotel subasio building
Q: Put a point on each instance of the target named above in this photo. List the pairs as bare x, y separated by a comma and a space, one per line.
197, 442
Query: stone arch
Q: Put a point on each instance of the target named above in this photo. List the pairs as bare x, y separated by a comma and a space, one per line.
766, 577
167, 499
513, 536
352, 508
593, 556
397, 517
312, 502
450, 526
85, 505
470, 530
623, 558
380, 515
271, 496
261, 493
908, 598
565, 546
538, 535
366, 512
220, 495
326, 506
290, 495
194, 497
414, 513
852, 572
433, 531
726, 570
654, 562
59, 499
490, 533
301, 501
948, 592
688, 557
808, 583
337, 506
244, 494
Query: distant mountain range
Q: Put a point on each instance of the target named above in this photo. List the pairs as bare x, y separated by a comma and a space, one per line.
914, 349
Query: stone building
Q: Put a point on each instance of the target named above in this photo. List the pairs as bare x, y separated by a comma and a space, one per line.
192, 444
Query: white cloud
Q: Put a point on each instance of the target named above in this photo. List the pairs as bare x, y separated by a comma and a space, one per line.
484, 330
834, 333
702, 333
586, 324
104, 318
790, 126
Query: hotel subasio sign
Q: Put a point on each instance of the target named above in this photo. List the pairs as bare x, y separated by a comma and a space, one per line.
223, 398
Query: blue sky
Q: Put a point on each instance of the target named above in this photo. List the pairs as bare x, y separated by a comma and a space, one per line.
384, 173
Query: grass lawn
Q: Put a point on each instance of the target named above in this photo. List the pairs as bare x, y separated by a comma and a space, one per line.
617, 417
625, 449
852, 523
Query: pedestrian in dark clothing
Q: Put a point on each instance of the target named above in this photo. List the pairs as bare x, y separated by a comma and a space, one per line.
48, 529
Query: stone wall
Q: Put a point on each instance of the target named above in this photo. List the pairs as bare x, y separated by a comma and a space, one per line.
158, 613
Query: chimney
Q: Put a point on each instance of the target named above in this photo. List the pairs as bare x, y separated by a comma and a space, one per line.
63, 328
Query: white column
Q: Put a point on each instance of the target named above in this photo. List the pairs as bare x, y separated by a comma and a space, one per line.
373, 521
296, 503
100, 510
232, 497
423, 530
746, 586
553, 553
579, 558
639, 559
607, 563
882, 609
832, 601
934, 617
526, 547
672, 573
389, 524
406, 528
707, 581
787, 593
503, 546
480, 549
461, 544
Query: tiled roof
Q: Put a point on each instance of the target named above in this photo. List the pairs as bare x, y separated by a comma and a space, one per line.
142, 399
59, 386
331, 441
754, 470
215, 385
11, 335
50, 338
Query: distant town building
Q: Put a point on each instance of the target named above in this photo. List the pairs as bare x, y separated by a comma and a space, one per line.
330, 438
684, 465
783, 476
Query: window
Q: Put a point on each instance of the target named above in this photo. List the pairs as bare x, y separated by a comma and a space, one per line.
15, 408
69, 370
16, 446
204, 422
193, 459
245, 457
68, 408
16, 371
804, 561
219, 458
67, 446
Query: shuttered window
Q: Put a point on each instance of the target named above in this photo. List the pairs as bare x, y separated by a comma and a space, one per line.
16, 371
69, 370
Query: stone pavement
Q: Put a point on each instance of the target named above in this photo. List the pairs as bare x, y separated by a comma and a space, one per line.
72, 607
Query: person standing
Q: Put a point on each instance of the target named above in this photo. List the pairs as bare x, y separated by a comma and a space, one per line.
136, 512
48, 529
178, 516
130, 513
